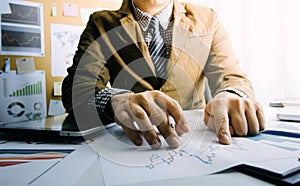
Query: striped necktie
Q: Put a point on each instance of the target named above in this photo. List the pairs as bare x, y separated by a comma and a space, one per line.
157, 48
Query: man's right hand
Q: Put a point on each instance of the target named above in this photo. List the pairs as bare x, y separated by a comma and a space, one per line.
149, 109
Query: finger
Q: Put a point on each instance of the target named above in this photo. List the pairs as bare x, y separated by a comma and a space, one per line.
168, 133
253, 125
209, 120
175, 110
145, 125
231, 130
239, 123
238, 118
179, 131
133, 135
125, 121
152, 139
207, 114
159, 118
261, 117
221, 122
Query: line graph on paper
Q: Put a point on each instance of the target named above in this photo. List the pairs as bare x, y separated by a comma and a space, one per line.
206, 157
199, 147
202, 154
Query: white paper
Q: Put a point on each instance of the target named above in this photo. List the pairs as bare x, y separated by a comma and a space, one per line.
72, 168
86, 12
23, 33
56, 107
70, 10
23, 96
64, 41
32, 169
200, 154
57, 88
25, 173
25, 65
4, 7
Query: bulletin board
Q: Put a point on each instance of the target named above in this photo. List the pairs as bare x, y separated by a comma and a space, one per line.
56, 16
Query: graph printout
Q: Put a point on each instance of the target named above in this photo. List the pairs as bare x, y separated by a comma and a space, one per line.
22, 31
23, 96
200, 153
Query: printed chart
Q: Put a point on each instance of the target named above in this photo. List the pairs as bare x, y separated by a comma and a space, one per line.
22, 31
23, 96
200, 154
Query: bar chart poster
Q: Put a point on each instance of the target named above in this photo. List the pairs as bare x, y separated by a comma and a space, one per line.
23, 96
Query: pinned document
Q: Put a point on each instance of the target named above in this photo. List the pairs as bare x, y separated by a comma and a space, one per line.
25, 65
57, 88
70, 10
23, 96
56, 107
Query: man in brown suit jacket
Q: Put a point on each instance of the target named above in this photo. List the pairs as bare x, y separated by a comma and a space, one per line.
113, 77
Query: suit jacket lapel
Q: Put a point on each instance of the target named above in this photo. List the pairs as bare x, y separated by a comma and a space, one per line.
132, 28
179, 37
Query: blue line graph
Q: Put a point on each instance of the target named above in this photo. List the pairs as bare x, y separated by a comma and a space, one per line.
206, 157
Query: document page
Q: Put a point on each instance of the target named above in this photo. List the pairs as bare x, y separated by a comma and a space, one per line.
199, 154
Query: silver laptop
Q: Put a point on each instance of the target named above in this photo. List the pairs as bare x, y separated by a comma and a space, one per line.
60, 125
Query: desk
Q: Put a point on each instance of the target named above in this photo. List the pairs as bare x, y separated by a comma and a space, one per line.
83, 167
91, 174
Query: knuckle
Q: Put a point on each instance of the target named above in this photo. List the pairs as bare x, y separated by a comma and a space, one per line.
174, 105
141, 97
156, 92
248, 103
139, 113
257, 104
218, 101
221, 119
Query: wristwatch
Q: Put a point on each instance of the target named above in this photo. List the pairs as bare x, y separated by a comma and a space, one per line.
234, 91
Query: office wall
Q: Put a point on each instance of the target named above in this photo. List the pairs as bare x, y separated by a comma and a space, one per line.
44, 63
265, 37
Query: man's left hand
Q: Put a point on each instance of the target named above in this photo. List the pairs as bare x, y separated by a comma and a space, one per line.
230, 115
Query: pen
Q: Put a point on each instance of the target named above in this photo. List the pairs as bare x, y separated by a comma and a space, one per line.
171, 121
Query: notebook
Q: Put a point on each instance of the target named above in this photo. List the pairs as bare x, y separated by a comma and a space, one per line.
289, 113
291, 179
59, 125
287, 123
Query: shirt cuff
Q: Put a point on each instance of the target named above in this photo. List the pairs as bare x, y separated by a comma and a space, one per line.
101, 102
234, 91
